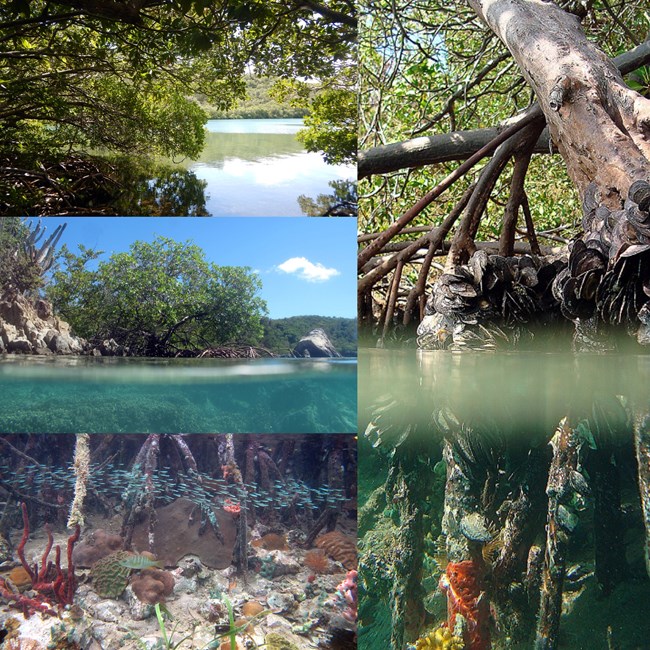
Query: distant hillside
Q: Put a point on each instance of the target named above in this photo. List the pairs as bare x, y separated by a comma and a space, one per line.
257, 105
282, 334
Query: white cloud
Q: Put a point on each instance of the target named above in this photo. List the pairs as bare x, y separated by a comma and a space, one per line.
307, 270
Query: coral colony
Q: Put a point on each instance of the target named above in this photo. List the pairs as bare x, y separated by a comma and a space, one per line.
51, 583
346, 593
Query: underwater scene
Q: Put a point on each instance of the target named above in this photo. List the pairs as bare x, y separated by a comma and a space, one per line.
505, 500
136, 395
212, 541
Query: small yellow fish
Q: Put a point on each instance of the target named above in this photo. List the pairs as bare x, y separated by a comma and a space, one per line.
140, 562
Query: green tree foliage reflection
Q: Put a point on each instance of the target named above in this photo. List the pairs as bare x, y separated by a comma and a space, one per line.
160, 298
81, 74
341, 203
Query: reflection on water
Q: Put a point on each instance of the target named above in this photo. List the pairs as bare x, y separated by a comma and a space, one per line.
522, 389
59, 395
341, 202
258, 168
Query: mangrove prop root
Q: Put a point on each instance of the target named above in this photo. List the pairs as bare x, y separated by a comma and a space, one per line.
409, 491
642, 448
560, 489
144, 500
330, 515
81, 467
227, 459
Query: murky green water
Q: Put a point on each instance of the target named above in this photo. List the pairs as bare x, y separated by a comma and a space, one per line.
81, 394
516, 390
497, 413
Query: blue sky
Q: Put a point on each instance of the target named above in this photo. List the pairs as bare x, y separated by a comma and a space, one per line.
307, 265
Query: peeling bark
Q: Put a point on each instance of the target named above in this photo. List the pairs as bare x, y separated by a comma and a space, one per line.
601, 127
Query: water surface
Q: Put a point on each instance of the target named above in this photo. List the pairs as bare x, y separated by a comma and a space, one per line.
511, 389
114, 395
257, 168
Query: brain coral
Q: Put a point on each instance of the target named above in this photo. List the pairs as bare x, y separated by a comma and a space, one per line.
109, 576
342, 548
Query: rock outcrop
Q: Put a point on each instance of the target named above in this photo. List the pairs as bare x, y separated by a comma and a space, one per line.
29, 327
315, 344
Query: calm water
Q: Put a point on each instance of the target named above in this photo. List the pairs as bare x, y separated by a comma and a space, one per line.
257, 168
81, 394
499, 412
515, 390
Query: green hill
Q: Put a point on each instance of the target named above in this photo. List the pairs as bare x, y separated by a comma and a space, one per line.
257, 105
282, 334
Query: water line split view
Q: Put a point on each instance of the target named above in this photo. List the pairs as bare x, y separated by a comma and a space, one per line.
504, 289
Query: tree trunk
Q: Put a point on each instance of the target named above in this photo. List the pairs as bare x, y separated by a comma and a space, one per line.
600, 126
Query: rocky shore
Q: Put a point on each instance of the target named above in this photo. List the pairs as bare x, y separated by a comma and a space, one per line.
30, 327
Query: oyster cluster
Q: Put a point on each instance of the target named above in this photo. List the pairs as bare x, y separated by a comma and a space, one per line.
485, 303
605, 283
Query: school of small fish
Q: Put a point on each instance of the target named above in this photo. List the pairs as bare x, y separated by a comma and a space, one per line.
200, 488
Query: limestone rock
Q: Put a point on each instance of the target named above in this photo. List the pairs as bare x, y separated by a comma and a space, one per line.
20, 345
110, 348
315, 344
29, 327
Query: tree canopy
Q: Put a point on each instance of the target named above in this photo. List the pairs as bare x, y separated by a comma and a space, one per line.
159, 298
85, 75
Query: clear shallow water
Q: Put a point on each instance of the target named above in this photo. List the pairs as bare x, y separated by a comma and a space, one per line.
81, 394
257, 168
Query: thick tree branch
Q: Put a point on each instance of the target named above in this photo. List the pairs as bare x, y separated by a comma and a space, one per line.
462, 144
331, 14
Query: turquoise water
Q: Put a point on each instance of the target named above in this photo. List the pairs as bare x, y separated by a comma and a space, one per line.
81, 394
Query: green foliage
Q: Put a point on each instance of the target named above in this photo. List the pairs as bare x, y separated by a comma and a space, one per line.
159, 298
17, 270
282, 334
332, 118
330, 126
122, 75
639, 80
